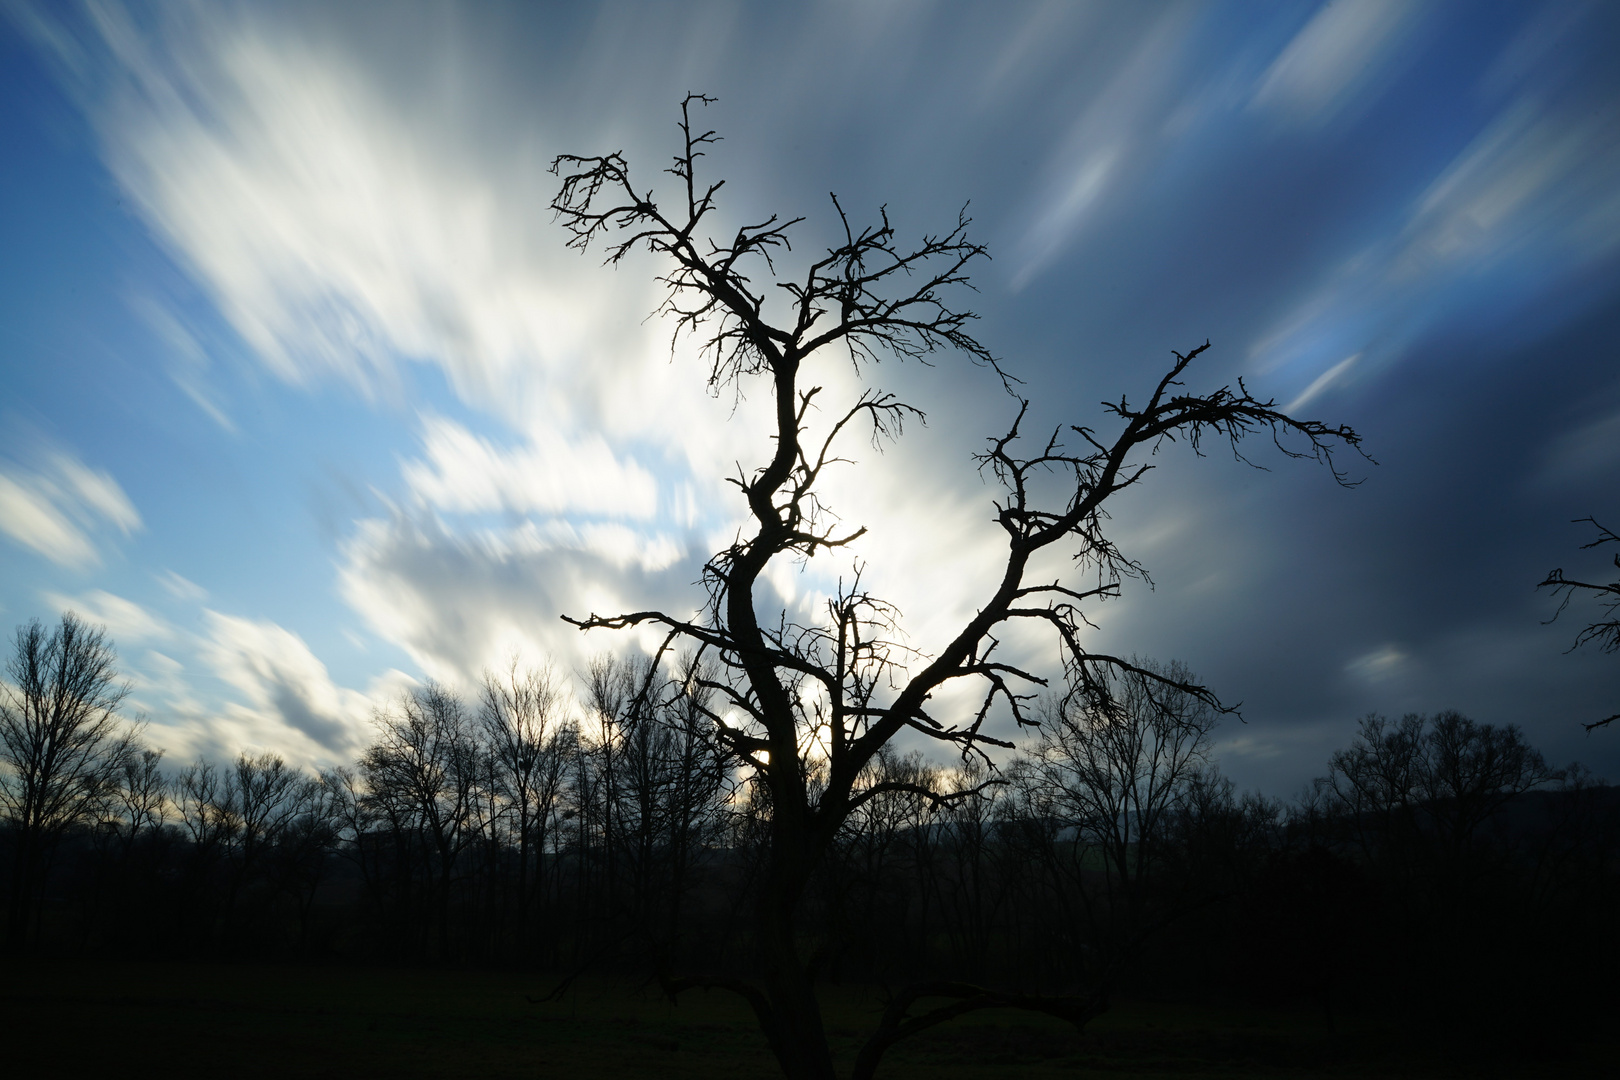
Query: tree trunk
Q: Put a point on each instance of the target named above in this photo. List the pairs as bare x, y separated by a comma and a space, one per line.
799, 1039
796, 1033
23, 890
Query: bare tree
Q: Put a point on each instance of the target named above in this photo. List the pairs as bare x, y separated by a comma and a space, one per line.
1453, 827
530, 745
129, 846
307, 838
976, 876
1111, 771
420, 775
840, 687
143, 794
1605, 631
255, 828
266, 797
1416, 792
697, 782
204, 799
63, 747
650, 781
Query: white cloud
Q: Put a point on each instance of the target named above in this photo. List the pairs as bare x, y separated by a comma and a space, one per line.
1531, 177
1528, 205
1322, 383
292, 701
1340, 51
1102, 145
163, 675
29, 516
52, 510
179, 723
458, 603
463, 473
346, 231
272, 693
126, 621
97, 492
340, 233
1382, 663
181, 588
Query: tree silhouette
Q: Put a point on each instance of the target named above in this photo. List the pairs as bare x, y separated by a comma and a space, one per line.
421, 776
1604, 631
841, 688
529, 747
1101, 788
63, 747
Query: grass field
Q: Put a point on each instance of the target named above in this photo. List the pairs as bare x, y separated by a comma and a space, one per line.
76, 1019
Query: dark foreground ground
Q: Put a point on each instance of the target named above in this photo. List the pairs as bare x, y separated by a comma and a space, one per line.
73, 1019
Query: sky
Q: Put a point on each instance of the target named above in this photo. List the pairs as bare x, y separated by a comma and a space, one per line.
303, 398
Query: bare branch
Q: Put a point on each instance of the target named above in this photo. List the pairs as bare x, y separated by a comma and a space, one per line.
898, 1023
1604, 631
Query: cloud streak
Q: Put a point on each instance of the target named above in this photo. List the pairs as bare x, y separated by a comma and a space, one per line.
54, 510
1341, 51
285, 685
465, 474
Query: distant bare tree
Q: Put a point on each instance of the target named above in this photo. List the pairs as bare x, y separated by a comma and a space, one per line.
1604, 631
841, 687
204, 800
977, 872
307, 838
530, 746
266, 797
1417, 791
249, 825
420, 776
143, 796
63, 748
651, 782
1107, 778
129, 845
876, 913
697, 781
1454, 828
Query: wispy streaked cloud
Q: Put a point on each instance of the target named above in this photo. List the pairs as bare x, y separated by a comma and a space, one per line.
57, 508
181, 588
464, 473
458, 603
290, 697
188, 361
1541, 180
1099, 148
1517, 216
1322, 383
1384, 662
1342, 50
126, 621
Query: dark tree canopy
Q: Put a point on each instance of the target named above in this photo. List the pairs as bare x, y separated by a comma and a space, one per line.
788, 693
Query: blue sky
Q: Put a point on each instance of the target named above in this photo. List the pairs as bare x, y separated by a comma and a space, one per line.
304, 398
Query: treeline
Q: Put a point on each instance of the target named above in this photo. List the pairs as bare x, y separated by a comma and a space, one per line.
1440, 867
